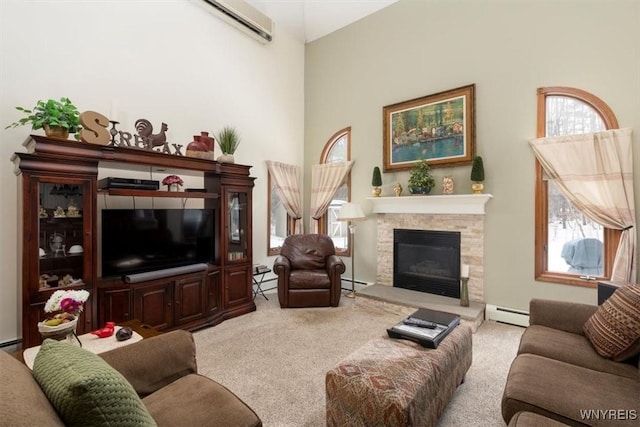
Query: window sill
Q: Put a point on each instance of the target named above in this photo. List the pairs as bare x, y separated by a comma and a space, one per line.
569, 279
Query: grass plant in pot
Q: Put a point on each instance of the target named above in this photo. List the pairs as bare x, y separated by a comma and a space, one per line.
228, 141
57, 118
420, 179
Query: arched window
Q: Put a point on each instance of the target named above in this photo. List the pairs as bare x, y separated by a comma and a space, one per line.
561, 229
338, 149
280, 224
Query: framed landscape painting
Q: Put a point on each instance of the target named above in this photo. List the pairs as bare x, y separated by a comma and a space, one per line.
439, 128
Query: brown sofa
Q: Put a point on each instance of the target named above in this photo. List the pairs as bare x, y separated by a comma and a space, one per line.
308, 272
163, 372
558, 373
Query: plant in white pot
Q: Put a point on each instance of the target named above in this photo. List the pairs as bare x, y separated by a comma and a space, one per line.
228, 141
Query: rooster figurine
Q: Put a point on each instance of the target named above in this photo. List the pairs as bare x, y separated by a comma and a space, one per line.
145, 130
107, 331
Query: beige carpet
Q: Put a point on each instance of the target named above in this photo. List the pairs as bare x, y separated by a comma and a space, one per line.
276, 360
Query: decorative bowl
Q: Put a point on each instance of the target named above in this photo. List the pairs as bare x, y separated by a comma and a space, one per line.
76, 249
57, 332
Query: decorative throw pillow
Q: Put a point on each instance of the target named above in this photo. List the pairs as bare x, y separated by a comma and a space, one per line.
85, 390
614, 329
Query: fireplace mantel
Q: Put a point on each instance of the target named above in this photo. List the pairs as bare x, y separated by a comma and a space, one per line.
441, 204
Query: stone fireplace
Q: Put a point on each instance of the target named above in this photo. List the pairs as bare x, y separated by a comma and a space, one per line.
427, 261
462, 214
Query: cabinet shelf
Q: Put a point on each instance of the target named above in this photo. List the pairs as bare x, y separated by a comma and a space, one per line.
157, 193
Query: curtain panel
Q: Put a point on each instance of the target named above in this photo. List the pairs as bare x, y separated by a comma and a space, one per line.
286, 179
326, 179
594, 171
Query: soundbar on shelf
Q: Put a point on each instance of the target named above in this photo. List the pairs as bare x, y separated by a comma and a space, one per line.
160, 274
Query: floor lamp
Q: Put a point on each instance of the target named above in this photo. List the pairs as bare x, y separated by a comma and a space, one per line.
352, 212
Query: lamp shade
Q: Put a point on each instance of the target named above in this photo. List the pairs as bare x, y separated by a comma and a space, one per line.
351, 212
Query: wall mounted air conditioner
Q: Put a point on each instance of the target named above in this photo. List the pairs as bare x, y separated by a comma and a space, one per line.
243, 16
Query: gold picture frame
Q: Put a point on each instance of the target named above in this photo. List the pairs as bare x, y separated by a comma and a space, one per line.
439, 128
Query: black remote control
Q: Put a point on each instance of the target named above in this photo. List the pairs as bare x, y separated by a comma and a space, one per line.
412, 321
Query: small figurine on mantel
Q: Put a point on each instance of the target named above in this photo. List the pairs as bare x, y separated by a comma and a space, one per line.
447, 184
397, 189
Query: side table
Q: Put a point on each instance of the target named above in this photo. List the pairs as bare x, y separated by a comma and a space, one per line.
258, 283
142, 329
98, 345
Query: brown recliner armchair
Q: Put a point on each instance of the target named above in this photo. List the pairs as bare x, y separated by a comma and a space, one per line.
308, 272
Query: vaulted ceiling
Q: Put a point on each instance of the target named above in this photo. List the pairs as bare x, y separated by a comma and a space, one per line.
308, 20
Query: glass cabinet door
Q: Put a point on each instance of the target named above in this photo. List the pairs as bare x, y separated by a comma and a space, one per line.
61, 236
237, 234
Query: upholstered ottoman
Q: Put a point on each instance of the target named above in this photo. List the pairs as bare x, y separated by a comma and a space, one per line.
390, 382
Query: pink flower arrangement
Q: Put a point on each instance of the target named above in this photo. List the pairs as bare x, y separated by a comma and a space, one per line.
172, 179
69, 301
70, 305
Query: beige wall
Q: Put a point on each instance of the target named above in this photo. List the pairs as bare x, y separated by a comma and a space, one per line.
507, 49
168, 61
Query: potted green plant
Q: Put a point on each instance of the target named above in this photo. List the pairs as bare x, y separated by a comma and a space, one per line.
376, 182
57, 118
228, 141
420, 179
477, 175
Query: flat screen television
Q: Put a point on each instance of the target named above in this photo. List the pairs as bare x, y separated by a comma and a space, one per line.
142, 240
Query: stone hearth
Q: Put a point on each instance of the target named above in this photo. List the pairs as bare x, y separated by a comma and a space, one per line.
461, 213
474, 314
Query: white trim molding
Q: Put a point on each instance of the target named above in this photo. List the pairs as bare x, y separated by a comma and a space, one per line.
441, 204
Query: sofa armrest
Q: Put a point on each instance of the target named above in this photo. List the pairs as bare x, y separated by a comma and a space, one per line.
282, 266
155, 362
335, 265
562, 315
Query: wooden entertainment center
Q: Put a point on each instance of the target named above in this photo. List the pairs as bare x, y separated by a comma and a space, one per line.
60, 243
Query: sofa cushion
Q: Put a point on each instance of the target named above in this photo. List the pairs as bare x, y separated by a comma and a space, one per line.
309, 279
560, 391
168, 356
85, 390
614, 329
22, 402
202, 401
571, 348
307, 251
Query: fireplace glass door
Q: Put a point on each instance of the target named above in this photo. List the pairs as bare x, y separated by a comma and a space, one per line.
427, 261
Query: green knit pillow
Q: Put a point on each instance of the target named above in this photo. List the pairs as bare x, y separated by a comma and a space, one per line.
85, 390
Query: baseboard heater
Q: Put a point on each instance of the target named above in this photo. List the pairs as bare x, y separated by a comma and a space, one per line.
511, 316
161, 274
